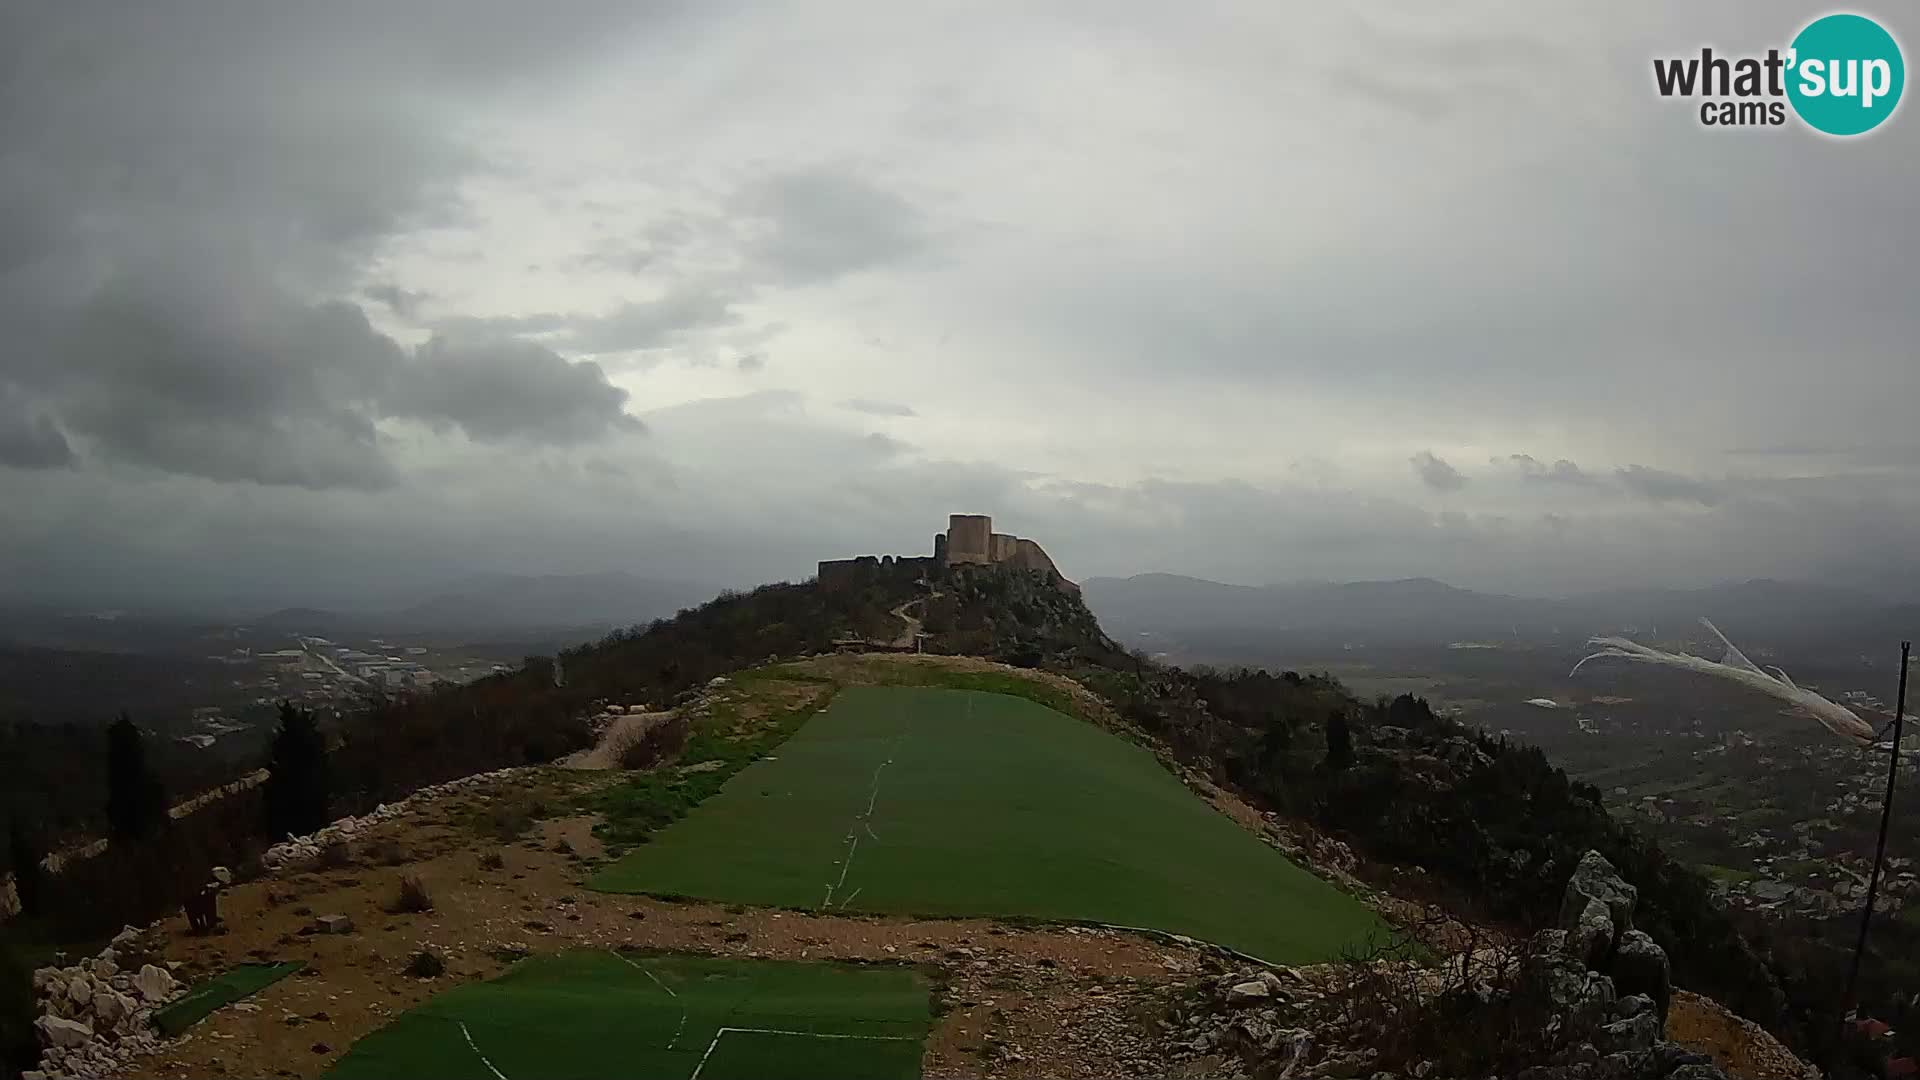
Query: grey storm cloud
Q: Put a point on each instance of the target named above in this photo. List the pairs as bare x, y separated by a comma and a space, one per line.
1660, 485
822, 223
265, 276
652, 324
508, 390
1436, 473
402, 302
1561, 471
181, 191
878, 408
30, 439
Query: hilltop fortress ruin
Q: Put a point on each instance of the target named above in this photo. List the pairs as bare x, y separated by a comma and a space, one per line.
968, 541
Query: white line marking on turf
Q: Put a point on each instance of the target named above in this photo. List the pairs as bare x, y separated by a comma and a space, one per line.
779, 1031
477, 1053
864, 821
656, 981
849, 898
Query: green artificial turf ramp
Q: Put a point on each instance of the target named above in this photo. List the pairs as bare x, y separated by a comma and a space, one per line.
953, 802
243, 981
598, 1014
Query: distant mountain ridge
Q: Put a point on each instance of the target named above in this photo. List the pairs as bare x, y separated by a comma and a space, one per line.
1425, 611
515, 602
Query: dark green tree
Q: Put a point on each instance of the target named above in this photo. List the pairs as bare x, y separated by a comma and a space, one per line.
298, 786
19, 1049
1339, 740
136, 803
29, 877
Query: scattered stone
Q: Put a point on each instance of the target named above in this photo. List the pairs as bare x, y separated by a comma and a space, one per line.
333, 924
1251, 992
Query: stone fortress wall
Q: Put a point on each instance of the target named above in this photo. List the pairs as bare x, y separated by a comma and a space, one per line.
968, 541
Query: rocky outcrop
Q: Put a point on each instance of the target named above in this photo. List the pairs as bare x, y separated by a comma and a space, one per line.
95, 1014
1586, 1000
1609, 986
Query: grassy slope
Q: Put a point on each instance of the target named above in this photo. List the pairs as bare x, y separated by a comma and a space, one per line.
598, 1014
988, 805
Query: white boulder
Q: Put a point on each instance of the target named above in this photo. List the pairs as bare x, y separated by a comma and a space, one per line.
110, 1010
1248, 993
154, 983
60, 1033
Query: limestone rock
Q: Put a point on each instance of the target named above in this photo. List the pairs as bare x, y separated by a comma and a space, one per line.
1590, 936
1630, 1005
1640, 967
79, 989
59, 1033
1636, 1033
333, 924
1596, 879
154, 983
110, 1009
1251, 992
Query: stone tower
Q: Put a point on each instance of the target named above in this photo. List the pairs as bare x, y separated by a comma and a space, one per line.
969, 538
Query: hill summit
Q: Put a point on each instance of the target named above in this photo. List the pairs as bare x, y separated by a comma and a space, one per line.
968, 541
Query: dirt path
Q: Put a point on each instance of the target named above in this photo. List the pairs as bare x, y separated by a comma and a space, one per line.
1016, 1001
605, 753
910, 633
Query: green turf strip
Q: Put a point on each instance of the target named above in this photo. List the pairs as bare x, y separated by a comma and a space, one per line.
986, 804
599, 1014
243, 981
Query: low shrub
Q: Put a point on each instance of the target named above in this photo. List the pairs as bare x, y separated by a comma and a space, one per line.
411, 896
427, 964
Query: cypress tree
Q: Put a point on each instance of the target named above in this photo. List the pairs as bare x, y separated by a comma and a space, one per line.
297, 790
1339, 740
136, 803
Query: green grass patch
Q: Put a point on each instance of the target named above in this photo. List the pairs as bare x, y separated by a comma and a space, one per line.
944, 802
597, 1014
243, 981
632, 811
1724, 875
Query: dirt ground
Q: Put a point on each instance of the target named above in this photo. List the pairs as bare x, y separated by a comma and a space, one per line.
605, 752
1008, 993
1741, 1047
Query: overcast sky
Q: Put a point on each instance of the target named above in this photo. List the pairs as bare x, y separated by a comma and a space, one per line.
320, 302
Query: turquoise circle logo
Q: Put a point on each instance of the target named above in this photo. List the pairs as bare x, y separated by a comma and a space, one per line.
1845, 74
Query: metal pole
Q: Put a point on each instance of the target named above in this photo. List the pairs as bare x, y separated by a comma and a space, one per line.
1880, 848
